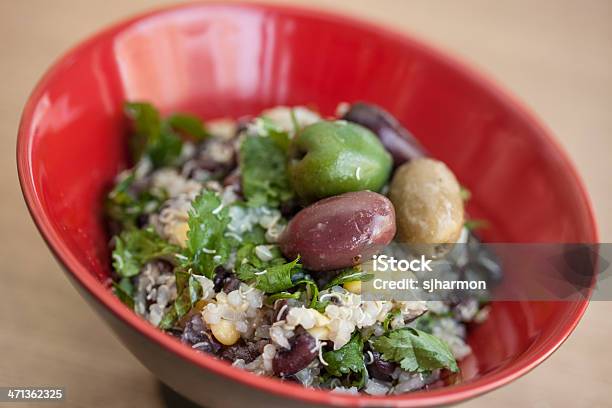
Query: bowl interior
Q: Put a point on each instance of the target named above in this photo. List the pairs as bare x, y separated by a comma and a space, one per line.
231, 60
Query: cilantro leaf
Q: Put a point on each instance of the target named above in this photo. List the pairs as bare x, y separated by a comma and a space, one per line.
283, 295
346, 360
263, 170
124, 207
189, 125
165, 149
156, 138
206, 243
168, 319
389, 318
134, 248
146, 122
276, 277
465, 193
350, 275
474, 224
415, 350
124, 290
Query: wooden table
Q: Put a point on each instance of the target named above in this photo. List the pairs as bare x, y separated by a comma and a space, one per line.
555, 55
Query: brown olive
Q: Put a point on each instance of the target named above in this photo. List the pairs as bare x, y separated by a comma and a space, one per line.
340, 231
428, 203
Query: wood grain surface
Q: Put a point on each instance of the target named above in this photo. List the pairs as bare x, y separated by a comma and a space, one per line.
554, 55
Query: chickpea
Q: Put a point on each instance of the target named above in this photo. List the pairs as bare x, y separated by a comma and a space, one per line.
225, 332
428, 204
353, 287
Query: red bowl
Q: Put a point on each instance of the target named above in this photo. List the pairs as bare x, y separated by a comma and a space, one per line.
235, 59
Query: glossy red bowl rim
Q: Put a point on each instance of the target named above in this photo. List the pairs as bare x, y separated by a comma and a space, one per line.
442, 396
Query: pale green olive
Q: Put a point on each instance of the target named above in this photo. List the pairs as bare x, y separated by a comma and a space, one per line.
428, 205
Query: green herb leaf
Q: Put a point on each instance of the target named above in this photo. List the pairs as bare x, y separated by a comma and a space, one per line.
275, 278
283, 295
475, 224
415, 350
346, 360
189, 291
133, 248
124, 291
147, 124
390, 316
166, 149
350, 275
152, 136
189, 125
168, 319
206, 243
465, 193
263, 169
125, 208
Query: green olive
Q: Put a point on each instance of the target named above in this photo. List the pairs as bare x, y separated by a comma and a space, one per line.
329, 158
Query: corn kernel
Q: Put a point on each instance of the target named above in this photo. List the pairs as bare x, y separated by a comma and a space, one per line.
179, 234
319, 332
353, 287
320, 319
225, 332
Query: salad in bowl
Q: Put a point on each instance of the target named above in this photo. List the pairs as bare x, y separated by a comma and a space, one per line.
251, 239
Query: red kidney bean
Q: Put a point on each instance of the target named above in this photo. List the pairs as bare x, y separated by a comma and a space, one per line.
340, 231
398, 141
303, 350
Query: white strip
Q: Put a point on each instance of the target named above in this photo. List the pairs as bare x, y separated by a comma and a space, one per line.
218, 209
321, 355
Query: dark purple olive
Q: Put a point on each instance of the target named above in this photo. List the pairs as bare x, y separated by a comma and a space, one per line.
381, 369
303, 350
397, 140
340, 231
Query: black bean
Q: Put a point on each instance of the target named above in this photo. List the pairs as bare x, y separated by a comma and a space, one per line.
142, 220
242, 124
381, 369
234, 179
397, 140
281, 308
225, 280
244, 351
302, 352
164, 266
231, 283
197, 335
